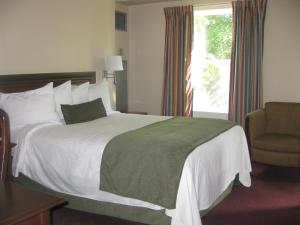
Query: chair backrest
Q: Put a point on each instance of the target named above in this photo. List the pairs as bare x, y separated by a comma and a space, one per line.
4, 144
283, 118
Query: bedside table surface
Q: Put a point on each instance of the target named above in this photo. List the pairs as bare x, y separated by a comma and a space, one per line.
18, 203
135, 112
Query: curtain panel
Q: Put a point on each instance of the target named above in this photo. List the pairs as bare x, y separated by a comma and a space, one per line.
246, 58
177, 88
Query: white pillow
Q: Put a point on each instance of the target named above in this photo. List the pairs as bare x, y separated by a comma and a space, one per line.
47, 89
80, 93
101, 90
62, 95
29, 108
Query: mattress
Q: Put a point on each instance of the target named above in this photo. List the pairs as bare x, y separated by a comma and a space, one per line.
67, 159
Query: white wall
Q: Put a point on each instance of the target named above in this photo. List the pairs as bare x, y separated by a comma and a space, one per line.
146, 41
282, 51
145, 67
55, 35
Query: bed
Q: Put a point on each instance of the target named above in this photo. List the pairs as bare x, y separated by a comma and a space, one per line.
43, 161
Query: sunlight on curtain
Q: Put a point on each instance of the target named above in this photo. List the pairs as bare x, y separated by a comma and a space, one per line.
177, 91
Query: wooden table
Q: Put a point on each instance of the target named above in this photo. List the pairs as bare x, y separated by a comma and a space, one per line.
21, 206
135, 112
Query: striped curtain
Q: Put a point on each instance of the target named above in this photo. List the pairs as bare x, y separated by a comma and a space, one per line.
177, 89
246, 58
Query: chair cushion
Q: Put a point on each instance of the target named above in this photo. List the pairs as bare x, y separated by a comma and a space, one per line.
278, 143
283, 118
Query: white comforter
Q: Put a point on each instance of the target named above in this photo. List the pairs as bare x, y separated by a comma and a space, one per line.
67, 159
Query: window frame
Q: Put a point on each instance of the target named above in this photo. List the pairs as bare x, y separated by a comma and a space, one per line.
208, 114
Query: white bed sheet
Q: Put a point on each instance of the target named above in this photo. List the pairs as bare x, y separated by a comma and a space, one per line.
67, 159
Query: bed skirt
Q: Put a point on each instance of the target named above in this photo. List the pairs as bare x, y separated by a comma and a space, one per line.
131, 213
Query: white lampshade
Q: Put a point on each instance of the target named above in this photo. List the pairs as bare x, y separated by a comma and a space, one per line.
113, 63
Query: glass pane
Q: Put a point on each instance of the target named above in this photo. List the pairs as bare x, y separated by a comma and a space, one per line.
211, 60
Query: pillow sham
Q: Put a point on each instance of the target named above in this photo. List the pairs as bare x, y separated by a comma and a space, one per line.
101, 90
24, 109
80, 93
83, 112
47, 89
62, 95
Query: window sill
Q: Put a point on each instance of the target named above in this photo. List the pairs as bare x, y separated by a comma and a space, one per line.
210, 115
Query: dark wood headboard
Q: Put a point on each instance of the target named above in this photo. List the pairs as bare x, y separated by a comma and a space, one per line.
24, 82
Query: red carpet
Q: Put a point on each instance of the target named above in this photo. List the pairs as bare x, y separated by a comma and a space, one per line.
273, 199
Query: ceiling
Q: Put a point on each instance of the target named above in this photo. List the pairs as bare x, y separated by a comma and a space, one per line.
136, 2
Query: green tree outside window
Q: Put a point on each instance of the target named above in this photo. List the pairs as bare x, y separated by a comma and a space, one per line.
218, 34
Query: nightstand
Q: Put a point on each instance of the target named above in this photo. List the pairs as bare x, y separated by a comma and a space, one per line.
21, 206
135, 112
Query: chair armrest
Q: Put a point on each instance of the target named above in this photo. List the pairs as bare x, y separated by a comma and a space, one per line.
255, 125
4, 144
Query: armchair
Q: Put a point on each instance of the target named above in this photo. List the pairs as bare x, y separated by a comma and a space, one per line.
273, 134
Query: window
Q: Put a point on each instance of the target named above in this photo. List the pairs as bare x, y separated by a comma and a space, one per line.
120, 21
211, 60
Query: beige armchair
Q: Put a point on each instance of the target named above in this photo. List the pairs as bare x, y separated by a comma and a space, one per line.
273, 134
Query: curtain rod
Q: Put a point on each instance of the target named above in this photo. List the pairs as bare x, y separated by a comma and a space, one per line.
201, 3
196, 3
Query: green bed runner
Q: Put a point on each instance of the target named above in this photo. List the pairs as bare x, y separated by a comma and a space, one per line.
147, 163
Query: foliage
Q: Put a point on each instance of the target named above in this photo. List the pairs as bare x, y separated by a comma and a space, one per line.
211, 85
199, 24
215, 32
218, 35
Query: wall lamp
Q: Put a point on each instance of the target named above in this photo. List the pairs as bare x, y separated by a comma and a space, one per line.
112, 64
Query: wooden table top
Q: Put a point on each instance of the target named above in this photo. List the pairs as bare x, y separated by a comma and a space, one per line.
18, 202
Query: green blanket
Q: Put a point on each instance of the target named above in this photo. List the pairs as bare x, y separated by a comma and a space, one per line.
147, 163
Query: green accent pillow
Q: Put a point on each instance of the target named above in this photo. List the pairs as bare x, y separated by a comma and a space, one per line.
83, 112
